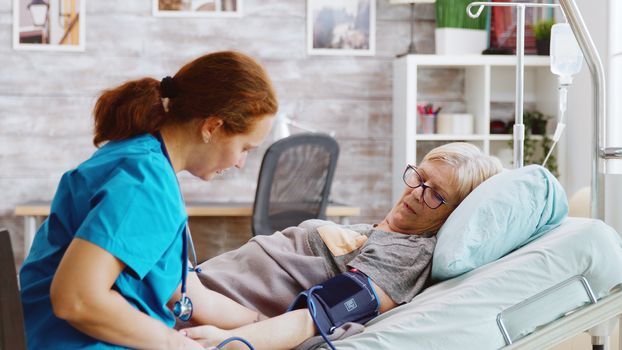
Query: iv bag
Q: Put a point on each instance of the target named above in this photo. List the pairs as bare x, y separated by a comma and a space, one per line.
566, 55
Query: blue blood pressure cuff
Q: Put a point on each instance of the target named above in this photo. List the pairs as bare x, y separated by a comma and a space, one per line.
348, 297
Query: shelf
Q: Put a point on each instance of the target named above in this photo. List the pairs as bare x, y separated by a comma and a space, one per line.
487, 82
470, 137
508, 137
450, 137
477, 60
500, 137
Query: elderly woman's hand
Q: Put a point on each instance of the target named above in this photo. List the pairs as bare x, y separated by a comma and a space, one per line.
207, 336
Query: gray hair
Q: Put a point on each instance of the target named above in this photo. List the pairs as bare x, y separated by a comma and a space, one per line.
471, 165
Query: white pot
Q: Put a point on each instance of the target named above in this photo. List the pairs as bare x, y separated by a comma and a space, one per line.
456, 41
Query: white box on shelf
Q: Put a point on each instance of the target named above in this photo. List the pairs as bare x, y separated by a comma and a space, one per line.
455, 123
457, 41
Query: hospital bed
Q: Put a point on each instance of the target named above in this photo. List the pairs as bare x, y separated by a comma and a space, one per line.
566, 282
464, 312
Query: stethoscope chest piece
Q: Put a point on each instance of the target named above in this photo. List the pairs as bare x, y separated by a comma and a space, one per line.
183, 308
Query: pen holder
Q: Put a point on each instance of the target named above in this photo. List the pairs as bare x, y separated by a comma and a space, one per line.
426, 123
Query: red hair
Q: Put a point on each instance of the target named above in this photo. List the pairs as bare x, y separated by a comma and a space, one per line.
228, 85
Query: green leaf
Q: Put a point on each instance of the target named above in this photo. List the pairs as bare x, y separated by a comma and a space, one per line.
534, 150
453, 14
542, 29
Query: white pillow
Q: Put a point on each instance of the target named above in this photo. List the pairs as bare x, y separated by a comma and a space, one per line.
502, 214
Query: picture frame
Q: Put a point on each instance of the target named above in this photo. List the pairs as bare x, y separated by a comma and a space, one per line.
197, 8
49, 25
341, 27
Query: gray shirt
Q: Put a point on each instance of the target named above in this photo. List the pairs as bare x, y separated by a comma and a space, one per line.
400, 264
268, 272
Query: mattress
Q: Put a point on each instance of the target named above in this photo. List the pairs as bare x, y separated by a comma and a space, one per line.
461, 313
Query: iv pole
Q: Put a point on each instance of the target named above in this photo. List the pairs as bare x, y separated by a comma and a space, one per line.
600, 153
519, 127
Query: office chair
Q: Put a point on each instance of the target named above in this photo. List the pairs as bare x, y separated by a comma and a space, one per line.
294, 182
12, 336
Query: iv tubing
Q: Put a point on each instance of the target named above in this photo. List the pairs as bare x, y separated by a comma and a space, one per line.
561, 124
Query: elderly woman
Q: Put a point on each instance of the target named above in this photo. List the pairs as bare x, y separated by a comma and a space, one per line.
396, 254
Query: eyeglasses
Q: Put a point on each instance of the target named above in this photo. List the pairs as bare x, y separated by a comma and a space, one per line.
413, 180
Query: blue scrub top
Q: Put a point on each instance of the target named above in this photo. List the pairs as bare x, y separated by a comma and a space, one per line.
126, 200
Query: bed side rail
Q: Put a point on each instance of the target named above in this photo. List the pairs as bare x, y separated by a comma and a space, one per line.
606, 310
566, 297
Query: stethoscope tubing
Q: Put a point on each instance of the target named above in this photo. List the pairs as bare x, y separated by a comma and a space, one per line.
187, 236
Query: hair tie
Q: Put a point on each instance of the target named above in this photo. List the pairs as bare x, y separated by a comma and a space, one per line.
167, 87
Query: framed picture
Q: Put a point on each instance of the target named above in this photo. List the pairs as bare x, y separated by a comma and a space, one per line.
341, 27
49, 25
197, 8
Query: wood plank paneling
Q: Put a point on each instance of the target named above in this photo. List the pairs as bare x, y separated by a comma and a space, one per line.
251, 34
24, 157
24, 190
348, 118
322, 77
111, 8
25, 116
46, 99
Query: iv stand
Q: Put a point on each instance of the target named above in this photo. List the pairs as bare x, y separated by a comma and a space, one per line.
601, 153
519, 127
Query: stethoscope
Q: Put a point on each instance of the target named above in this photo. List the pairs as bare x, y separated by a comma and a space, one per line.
183, 307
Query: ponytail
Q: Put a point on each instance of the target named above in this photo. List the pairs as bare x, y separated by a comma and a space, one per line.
131, 109
226, 85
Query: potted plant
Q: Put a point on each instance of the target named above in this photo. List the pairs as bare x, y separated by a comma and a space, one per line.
536, 122
542, 33
456, 32
536, 148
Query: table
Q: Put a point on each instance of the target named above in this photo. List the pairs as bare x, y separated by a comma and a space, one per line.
34, 211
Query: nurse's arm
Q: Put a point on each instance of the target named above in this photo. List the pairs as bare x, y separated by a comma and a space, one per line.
213, 308
82, 294
282, 332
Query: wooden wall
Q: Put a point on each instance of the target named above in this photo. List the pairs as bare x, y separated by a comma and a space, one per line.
46, 99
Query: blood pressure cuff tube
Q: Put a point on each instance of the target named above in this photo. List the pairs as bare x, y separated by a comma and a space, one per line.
348, 297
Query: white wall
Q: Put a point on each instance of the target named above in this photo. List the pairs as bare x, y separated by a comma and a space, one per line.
580, 99
614, 128
614, 136
604, 20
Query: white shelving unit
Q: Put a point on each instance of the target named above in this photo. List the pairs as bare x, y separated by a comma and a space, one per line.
487, 79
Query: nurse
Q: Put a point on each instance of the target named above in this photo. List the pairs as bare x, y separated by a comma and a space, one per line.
105, 268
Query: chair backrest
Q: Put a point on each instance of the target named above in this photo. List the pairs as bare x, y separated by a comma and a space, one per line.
12, 334
294, 182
